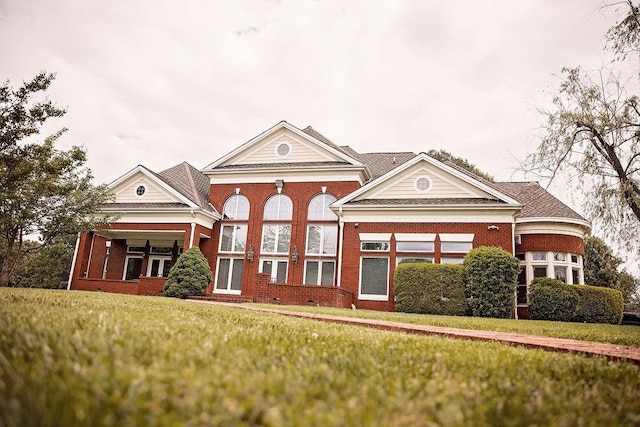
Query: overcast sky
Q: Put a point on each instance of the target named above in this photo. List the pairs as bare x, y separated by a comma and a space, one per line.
160, 82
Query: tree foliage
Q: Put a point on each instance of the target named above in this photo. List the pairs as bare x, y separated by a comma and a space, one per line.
445, 156
190, 276
43, 190
591, 138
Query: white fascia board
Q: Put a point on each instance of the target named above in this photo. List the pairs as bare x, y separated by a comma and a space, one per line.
553, 226
180, 216
432, 216
456, 237
300, 174
415, 237
572, 221
278, 126
375, 237
151, 176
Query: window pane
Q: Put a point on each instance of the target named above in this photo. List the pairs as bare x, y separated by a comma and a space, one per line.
374, 246
415, 246
240, 238
282, 272
313, 239
539, 271
539, 256
558, 256
236, 207
328, 269
374, 276
574, 259
576, 276
330, 239
411, 260
451, 260
456, 246
319, 208
267, 266
166, 267
134, 268
155, 267
522, 276
226, 238
236, 275
561, 273
223, 273
522, 294
311, 273
269, 238
278, 207
284, 237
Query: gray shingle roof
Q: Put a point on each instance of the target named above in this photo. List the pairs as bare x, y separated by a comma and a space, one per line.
538, 202
189, 182
320, 137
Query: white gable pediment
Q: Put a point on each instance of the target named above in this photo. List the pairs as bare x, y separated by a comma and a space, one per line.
141, 186
426, 178
282, 144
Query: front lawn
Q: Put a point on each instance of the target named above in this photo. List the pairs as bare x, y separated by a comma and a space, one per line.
614, 334
89, 358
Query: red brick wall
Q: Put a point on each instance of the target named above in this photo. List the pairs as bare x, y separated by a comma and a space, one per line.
551, 242
113, 286
280, 293
351, 256
300, 194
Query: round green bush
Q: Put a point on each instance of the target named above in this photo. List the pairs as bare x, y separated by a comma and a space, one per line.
552, 299
190, 276
491, 276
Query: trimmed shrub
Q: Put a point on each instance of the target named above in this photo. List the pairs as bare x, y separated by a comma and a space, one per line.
599, 305
190, 276
490, 276
552, 299
430, 289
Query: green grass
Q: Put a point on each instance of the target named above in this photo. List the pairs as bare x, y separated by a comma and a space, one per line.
614, 334
81, 358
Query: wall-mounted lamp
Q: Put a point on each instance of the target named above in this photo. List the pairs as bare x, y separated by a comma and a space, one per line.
250, 253
294, 256
493, 227
279, 185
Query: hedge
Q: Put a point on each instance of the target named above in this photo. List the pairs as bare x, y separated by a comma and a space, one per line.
190, 276
551, 299
430, 289
491, 275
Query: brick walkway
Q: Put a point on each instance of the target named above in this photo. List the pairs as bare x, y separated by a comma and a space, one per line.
610, 351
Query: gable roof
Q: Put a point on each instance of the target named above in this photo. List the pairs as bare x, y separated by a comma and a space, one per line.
188, 186
308, 134
494, 195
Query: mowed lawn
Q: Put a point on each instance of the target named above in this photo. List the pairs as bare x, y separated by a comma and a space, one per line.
80, 358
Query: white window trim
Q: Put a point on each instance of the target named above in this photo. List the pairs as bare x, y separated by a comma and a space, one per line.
126, 263
322, 225
228, 289
320, 261
275, 246
375, 237
415, 237
372, 297
401, 256
274, 260
233, 238
160, 258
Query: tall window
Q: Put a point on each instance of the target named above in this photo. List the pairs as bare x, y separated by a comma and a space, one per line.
322, 241
276, 237
374, 266
233, 244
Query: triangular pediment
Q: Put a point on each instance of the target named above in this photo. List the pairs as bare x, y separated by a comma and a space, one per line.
281, 145
142, 186
424, 178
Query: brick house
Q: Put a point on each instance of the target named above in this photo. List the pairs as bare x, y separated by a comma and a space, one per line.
291, 217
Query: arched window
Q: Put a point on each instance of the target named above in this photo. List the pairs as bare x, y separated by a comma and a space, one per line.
278, 208
236, 207
319, 208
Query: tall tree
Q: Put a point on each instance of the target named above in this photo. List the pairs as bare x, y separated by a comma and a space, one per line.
592, 138
445, 156
600, 264
43, 190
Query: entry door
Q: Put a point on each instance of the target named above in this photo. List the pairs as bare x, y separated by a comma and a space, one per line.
276, 267
159, 266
